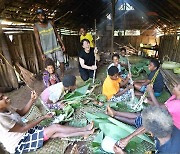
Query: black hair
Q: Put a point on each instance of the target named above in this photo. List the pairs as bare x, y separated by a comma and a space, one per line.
84, 27
84, 41
123, 49
40, 11
113, 70
155, 62
115, 55
49, 62
69, 80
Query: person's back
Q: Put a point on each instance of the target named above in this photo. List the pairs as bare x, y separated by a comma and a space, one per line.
172, 146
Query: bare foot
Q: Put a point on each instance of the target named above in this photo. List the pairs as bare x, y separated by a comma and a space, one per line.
89, 127
110, 111
87, 133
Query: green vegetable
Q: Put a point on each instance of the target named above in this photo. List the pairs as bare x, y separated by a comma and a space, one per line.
170, 65
176, 70
101, 98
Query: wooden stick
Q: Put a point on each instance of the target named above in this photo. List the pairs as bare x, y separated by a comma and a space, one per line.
94, 75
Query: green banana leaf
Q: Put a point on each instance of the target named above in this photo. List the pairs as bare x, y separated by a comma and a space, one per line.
82, 90
116, 132
130, 129
98, 139
96, 119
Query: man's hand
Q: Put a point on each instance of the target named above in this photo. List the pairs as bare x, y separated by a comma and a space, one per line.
63, 48
150, 88
123, 142
118, 150
33, 95
43, 57
48, 116
94, 67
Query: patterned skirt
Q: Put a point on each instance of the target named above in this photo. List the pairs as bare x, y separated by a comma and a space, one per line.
31, 140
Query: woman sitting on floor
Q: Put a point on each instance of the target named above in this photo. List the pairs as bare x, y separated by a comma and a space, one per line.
18, 137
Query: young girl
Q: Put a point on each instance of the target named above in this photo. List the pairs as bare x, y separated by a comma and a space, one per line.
115, 59
49, 75
18, 137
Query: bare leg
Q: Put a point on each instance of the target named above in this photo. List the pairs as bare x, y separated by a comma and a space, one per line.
56, 128
138, 86
84, 133
114, 113
130, 121
62, 68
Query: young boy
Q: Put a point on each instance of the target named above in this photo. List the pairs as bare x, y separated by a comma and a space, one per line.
123, 60
51, 95
111, 86
159, 123
172, 105
18, 137
49, 75
115, 59
158, 83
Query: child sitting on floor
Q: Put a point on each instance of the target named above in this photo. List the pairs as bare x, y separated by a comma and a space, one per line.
111, 86
18, 137
51, 95
123, 59
115, 59
49, 75
172, 105
158, 83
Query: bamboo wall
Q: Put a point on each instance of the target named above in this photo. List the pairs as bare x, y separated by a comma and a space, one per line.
170, 46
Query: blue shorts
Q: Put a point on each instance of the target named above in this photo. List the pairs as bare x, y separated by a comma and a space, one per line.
143, 89
138, 121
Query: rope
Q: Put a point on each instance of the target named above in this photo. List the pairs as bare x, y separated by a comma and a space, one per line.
15, 70
145, 93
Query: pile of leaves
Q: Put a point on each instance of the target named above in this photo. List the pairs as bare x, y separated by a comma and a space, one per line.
116, 130
73, 101
140, 67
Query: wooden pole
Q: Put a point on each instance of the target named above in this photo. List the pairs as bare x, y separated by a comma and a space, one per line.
5, 51
113, 19
21, 50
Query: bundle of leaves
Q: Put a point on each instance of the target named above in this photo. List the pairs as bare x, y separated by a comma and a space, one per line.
115, 129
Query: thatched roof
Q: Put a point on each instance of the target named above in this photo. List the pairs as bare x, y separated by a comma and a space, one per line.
73, 13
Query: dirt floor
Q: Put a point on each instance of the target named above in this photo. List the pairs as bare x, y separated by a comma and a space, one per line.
21, 96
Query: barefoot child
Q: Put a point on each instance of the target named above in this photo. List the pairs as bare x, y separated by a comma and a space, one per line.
51, 95
113, 83
49, 75
18, 137
158, 85
172, 105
